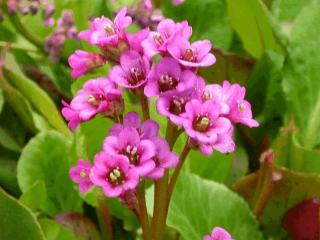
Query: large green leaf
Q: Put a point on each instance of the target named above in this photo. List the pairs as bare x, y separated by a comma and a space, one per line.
45, 158
216, 167
39, 99
301, 81
35, 196
8, 141
208, 19
198, 205
16, 221
250, 19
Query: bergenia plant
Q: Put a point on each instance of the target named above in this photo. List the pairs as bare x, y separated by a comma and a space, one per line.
162, 66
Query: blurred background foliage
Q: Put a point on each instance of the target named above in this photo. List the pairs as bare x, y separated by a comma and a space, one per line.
270, 46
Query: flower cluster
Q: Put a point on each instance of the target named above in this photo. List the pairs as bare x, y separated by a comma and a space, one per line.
65, 29
206, 113
32, 7
132, 150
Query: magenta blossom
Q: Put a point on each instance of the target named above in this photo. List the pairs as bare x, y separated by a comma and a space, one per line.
82, 62
104, 32
218, 234
240, 109
135, 39
132, 72
147, 130
167, 29
163, 158
97, 96
223, 144
203, 121
80, 174
172, 104
113, 174
139, 151
167, 76
196, 54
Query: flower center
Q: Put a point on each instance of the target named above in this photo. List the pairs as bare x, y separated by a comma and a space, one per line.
167, 83
242, 107
83, 174
201, 123
93, 101
109, 29
189, 55
206, 96
132, 153
177, 105
136, 76
158, 39
115, 176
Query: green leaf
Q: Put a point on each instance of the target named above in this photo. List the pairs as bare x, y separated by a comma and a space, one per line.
301, 75
6, 35
8, 175
208, 19
54, 231
39, 99
250, 19
287, 10
292, 155
8, 141
16, 221
198, 205
216, 167
35, 196
45, 158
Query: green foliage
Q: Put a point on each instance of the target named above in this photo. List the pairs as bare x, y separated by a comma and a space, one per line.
250, 19
208, 19
198, 205
16, 221
45, 158
301, 81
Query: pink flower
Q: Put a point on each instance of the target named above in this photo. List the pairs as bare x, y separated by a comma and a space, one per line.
147, 130
196, 54
139, 151
223, 144
172, 104
167, 76
163, 158
203, 121
135, 39
82, 62
113, 174
80, 174
240, 109
218, 234
103, 32
97, 96
132, 72
167, 29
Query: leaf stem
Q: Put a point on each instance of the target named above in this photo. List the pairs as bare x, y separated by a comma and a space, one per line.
176, 172
143, 213
160, 191
145, 106
106, 220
